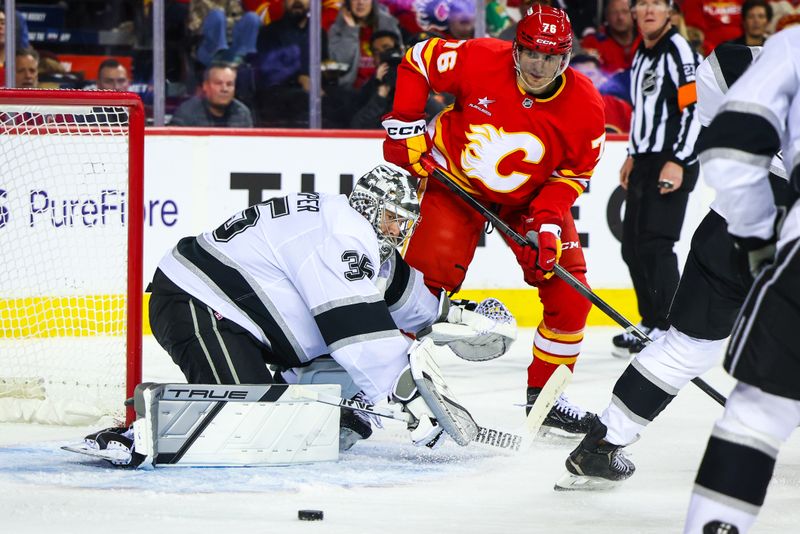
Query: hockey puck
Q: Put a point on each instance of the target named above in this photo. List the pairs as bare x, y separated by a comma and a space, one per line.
309, 515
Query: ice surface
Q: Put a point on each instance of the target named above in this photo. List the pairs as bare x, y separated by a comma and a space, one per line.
385, 484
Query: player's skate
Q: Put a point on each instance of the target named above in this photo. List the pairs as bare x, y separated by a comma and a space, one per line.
623, 342
112, 444
565, 419
595, 464
355, 425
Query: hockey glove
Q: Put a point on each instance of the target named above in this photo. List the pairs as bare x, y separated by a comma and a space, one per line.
474, 331
424, 428
406, 142
758, 253
538, 262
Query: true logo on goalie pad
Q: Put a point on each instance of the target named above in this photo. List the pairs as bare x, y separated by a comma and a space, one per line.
208, 394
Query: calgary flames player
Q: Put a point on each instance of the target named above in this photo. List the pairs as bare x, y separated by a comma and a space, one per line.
524, 135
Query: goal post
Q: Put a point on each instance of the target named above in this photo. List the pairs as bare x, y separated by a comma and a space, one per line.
71, 235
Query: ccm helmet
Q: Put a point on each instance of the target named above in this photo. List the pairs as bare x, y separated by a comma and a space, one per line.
546, 30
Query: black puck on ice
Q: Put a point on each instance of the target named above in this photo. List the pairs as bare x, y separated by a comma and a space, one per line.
309, 515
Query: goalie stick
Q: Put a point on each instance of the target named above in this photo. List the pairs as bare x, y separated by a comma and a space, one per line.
491, 437
499, 439
566, 276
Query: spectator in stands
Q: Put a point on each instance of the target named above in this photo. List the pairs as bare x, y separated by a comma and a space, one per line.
283, 52
27, 65
618, 110
22, 34
112, 75
756, 16
376, 96
270, 11
216, 106
784, 13
497, 18
582, 13
615, 43
787, 21
714, 20
22, 41
350, 35
283, 69
510, 33
219, 22
461, 20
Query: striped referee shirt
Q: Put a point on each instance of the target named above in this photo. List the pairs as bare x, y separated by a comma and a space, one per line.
663, 94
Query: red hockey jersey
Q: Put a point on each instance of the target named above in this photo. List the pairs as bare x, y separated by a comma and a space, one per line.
502, 144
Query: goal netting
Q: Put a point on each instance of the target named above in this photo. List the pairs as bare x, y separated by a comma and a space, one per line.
70, 254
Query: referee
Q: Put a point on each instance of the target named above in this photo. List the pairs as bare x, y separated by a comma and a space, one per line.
661, 168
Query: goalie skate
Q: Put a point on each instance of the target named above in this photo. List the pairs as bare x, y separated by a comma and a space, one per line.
115, 456
453, 418
112, 444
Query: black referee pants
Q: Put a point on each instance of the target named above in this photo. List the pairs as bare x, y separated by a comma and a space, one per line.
651, 226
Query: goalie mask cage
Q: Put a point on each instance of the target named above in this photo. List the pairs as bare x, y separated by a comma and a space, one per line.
71, 188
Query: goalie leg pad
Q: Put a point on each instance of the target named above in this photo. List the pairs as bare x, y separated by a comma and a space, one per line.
448, 411
240, 425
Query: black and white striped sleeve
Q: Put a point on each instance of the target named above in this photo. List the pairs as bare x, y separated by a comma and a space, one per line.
681, 68
411, 303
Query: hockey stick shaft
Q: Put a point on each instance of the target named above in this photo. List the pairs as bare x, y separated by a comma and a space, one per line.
559, 271
350, 404
486, 436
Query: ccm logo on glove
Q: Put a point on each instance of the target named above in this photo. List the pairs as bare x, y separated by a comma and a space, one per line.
403, 130
406, 142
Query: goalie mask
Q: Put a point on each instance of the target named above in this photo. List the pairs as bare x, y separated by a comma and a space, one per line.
388, 200
542, 47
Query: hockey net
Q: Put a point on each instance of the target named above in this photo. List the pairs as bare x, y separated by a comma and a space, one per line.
70, 254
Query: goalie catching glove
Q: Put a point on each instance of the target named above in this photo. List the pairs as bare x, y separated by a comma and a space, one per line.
421, 391
538, 261
474, 331
406, 142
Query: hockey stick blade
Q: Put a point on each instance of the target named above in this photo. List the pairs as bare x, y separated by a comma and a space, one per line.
554, 387
430, 165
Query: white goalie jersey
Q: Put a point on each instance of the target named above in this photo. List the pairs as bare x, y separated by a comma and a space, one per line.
301, 274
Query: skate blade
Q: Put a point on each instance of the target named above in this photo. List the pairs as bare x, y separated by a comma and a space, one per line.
621, 353
110, 455
554, 434
570, 482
